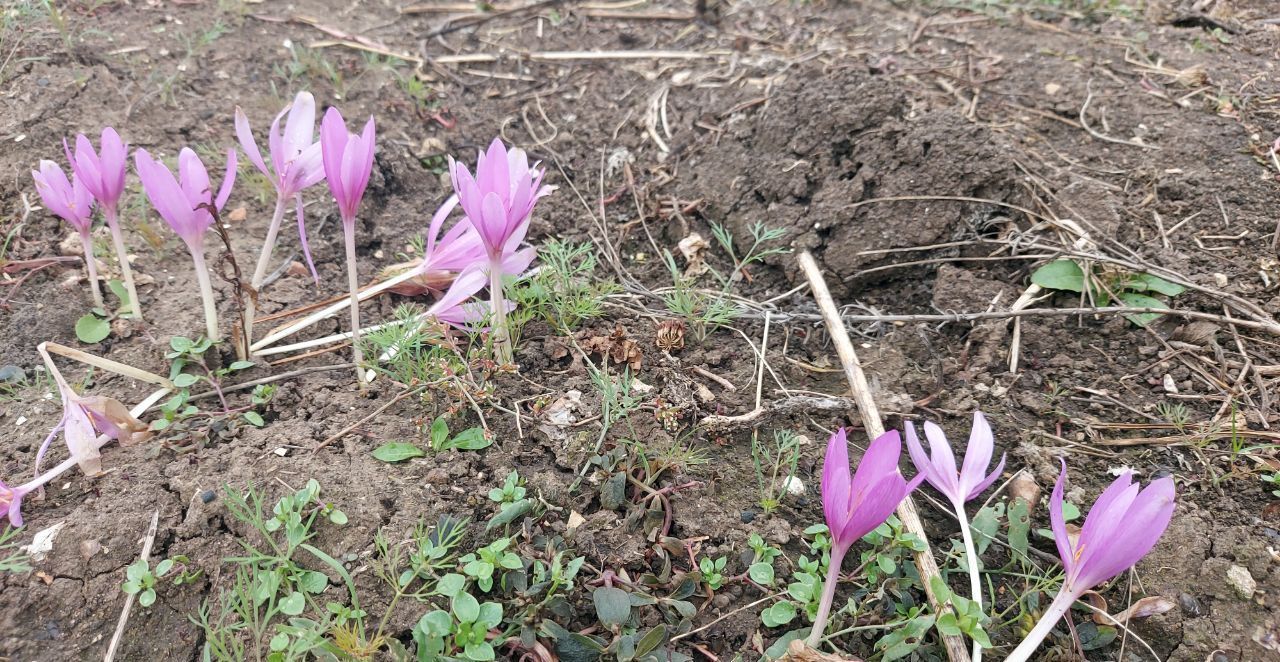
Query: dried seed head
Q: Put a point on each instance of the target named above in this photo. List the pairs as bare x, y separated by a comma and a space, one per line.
670, 335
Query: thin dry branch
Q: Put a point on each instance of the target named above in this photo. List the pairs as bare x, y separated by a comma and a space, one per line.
128, 602
870, 413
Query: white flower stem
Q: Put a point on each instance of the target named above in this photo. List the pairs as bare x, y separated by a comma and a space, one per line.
502, 351
122, 254
333, 309
86, 241
975, 580
828, 596
1059, 607
353, 283
260, 272
206, 294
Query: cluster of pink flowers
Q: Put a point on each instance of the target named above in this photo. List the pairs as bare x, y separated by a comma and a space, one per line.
480, 250
1123, 525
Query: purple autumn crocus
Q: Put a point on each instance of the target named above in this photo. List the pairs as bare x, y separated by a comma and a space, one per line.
11, 502
71, 201
102, 172
959, 486
1122, 526
855, 505
348, 162
498, 201
295, 165
183, 204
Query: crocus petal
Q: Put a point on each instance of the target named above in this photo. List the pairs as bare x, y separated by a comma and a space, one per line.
986, 482
300, 128
1058, 523
492, 222
166, 196
302, 237
881, 459
470, 281
514, 264
437, 221
836, 483
228, 181
943, 459
193, 177
85, 166
1146, 519
249, 145
368, 139
275, 144
333, 140
977, 455
924, 466
877, 504
1106, 519
308, 168
112, 161
494, 177
82, 439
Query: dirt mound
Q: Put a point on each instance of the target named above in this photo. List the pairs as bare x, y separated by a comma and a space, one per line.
814, 153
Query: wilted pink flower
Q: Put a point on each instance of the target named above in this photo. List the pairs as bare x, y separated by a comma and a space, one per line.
1122, 526
940, 470
499, 199
68, 199
102, 172
11, 502
856, 504
348, 161
180, 201
84, 419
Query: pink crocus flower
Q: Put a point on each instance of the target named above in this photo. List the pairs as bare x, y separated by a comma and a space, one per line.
183, 204
11, 502
102, 172
856, 504
295, 166
959, 486
348, 162
1121, 528
498, 202
71, 201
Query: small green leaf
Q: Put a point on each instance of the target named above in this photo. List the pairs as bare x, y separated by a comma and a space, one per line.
948, 625
761, 572
437, 623
471, 439
1019, 525
1060, 275
313, 582
180, 344
293, 604
1135, 300
397, 451
147, 598
241, 365
254, 419
479, 652
1142, 282
450, 585
91, 329
185, 380
780, 613
510, 513
117, 288
613, 605
164, 567
439, 433
466, 608
886, 563
338, 517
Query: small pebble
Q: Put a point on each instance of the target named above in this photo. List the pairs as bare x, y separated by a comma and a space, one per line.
1190, 605
1243, 582
208, 496
747, 516
12, 373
